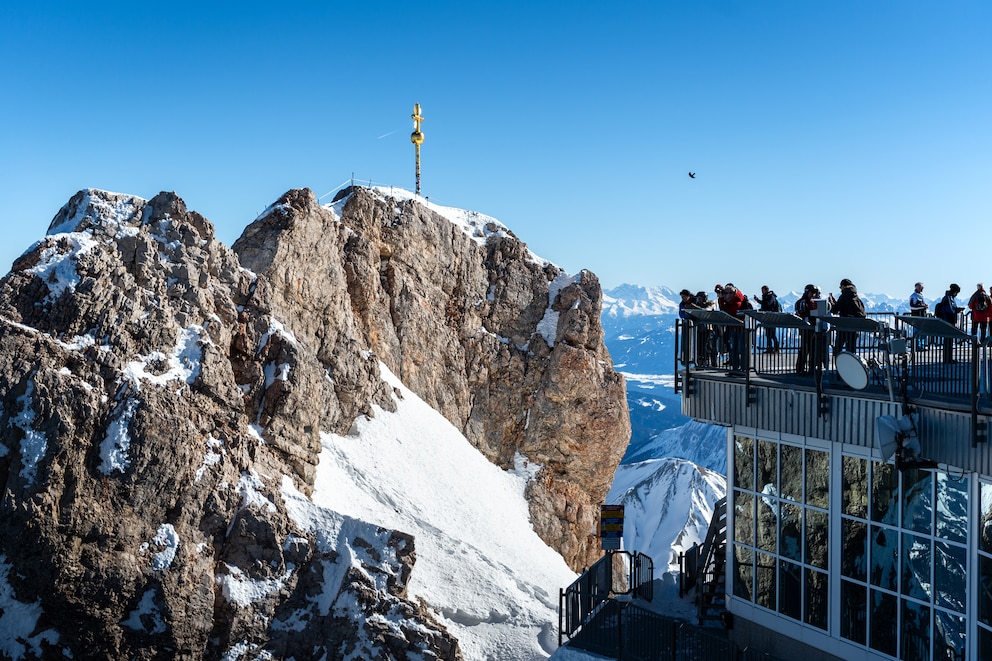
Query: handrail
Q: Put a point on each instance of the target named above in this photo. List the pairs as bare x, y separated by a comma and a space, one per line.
581, 600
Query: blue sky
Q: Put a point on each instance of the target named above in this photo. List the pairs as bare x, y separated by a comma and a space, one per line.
830, 139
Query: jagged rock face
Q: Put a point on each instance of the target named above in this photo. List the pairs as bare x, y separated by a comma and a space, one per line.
506, 347
158, 434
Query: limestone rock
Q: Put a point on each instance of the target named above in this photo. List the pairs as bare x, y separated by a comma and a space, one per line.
506, 346
158, 433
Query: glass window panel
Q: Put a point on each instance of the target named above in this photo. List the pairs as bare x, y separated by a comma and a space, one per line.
985, 519
790, 531
767, 468
916, 558
950, 579
743, 572
790, 595
744, 517
882, 622
915, 638
884, 557
817, 538
984, 643
853, 601
952, 507
985, 590
854, 549
791, 478
854, 486
950, 636
818, 478
767, 523
764, 574
884, 494
817, 598
744, 462
917, 502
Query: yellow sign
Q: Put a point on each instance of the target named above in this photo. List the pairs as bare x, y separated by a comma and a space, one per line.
611, 527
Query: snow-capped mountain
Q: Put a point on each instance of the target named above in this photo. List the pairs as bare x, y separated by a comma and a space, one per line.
667, 507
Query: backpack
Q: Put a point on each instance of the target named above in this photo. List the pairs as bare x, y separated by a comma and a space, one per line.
941, 311
982, 304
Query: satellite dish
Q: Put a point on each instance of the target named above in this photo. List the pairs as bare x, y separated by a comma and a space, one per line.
852, 370
888, 433
897, 437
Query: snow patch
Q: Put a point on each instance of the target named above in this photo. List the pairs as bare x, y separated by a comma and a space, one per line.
117, 442
34, 445
182, 364
239, 588
152, 622
215, 452
168, 538
57, 263
18, 619
548, 326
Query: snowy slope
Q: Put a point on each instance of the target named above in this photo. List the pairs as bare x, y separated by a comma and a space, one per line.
479, 563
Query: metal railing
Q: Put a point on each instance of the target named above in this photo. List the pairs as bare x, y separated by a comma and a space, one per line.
594, 620
629, 632
583, 600
936, 359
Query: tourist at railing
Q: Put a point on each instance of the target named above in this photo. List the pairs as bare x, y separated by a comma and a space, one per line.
804, 360
917, 305
948, 309
980, 305
769, 303
732, 300
686, 302
706, 337
848, 305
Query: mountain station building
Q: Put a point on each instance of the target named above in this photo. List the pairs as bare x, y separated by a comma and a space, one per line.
859, 482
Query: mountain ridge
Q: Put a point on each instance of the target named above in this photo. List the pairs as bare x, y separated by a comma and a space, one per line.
163, 406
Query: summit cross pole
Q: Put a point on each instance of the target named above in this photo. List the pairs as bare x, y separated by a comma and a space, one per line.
417, 138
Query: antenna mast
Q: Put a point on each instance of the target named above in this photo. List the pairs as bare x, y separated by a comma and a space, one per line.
417, 138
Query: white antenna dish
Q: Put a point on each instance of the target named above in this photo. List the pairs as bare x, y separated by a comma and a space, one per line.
888, 436
897, 437
852, 370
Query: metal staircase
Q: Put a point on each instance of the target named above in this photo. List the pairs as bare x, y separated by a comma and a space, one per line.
710, 579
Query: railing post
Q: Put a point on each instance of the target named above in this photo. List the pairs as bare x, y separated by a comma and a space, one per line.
620, 632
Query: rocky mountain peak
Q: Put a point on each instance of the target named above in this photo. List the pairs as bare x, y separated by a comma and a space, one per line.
506, 346
162, 398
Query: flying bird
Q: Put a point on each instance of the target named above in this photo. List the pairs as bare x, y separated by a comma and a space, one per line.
692, 175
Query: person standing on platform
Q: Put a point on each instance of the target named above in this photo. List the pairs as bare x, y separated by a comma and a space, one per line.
769, 303
732, 300
848, 305
803, 308
980, 305
917, 305
948, 310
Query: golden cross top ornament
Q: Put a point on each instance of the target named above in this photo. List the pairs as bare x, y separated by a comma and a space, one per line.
417, 138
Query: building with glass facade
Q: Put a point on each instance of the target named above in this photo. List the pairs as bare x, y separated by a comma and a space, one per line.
833, 550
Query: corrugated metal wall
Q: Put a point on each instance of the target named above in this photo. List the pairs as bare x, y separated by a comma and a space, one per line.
945, 435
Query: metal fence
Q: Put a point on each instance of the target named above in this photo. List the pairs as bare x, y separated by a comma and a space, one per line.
589, 594
628, 632
594, 620
923, 356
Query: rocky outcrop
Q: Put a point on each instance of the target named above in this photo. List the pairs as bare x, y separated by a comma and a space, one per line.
162, 397
507, 346
159, 430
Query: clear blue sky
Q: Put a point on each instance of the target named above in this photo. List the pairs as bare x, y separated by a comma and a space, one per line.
830, 139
